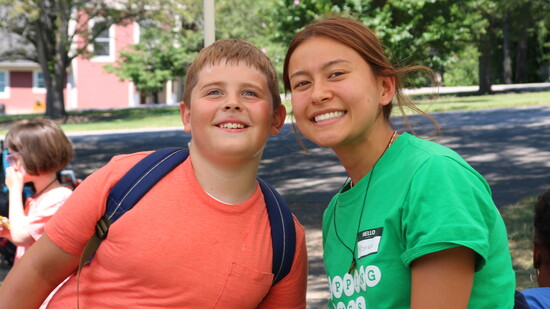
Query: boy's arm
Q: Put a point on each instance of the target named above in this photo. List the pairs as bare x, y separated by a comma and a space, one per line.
36, 274
290, 292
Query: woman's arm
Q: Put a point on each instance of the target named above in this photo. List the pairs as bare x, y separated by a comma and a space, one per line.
443, 279
41, 269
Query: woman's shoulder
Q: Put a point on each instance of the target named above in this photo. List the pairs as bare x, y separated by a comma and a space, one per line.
427, 147
415, 151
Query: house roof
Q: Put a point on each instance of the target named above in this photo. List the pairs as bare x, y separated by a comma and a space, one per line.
14, 41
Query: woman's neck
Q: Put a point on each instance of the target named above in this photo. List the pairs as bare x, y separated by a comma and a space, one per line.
360, 159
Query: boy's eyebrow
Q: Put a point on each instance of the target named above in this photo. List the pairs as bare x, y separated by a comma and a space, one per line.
323, 67
257, 86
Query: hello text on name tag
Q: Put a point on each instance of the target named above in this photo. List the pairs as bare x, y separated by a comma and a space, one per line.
368, 242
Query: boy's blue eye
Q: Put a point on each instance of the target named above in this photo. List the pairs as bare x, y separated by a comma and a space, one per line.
214, 92
249, 93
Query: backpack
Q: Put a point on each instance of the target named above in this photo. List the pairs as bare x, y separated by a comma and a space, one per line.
147, 172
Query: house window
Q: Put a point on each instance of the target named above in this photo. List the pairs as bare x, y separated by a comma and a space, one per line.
103, 47
3, 81
38, 80
38, 84
4, 84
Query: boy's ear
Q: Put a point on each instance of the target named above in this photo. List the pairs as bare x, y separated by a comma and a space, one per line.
387, 89
279, 117
185, 113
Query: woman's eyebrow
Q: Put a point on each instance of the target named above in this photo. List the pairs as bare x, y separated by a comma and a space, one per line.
323, 67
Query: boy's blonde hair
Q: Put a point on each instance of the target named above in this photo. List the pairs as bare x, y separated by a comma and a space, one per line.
232, 51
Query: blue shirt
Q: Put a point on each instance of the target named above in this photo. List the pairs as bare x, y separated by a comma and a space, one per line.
537, 298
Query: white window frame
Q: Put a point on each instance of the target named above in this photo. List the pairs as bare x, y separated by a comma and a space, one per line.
35, 79
6, 93
111, 56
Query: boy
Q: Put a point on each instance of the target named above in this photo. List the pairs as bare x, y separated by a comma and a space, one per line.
200, 238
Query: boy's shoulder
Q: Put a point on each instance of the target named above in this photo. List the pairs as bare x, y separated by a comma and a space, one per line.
130, 159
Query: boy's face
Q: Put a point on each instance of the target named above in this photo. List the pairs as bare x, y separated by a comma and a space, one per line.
231, 112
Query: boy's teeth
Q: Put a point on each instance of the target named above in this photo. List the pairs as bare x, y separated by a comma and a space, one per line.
328, 116
232, 126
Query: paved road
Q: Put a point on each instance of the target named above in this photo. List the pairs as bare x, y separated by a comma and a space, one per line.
510, 147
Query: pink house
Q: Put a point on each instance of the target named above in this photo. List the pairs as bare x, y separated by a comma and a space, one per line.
88, 86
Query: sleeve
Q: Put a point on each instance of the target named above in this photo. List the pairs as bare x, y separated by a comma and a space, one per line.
449, 205
45, 210
74, 223
290, 292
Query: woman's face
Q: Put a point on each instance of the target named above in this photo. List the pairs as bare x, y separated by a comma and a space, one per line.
336, 98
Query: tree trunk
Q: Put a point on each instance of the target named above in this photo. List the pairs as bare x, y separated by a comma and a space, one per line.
507, 63
521, 61
55, 107
485, 67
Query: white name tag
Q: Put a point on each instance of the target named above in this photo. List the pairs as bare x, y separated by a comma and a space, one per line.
368, 242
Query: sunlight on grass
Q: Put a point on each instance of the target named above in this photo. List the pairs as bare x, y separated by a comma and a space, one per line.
450, 103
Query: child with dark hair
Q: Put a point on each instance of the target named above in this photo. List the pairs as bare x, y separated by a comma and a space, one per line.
540, 297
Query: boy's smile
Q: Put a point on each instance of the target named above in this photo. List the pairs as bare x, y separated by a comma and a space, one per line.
231, 111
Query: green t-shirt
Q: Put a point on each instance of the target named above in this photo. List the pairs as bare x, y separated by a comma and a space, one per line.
420, 198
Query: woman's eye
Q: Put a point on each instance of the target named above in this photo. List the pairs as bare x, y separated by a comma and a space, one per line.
336, 74
300, 84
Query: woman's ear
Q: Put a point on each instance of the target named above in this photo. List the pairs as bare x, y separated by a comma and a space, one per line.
279, 117
387, 89
185, 113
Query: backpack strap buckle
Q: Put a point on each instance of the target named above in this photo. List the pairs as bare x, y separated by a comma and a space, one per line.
102, 227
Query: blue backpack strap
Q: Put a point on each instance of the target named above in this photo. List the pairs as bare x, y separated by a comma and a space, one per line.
141, 178
283, 232
130, 189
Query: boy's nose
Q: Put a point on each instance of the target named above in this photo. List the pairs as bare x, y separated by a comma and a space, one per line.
232, 105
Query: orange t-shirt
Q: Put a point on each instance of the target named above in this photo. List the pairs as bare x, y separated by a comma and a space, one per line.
177, 248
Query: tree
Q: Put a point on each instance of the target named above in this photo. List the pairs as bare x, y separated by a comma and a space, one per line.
163, 54
250, 20
413, 32
46, 36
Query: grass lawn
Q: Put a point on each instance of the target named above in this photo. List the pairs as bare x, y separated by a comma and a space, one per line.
450, 103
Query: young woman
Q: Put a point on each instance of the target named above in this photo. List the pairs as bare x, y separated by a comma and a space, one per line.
416, 225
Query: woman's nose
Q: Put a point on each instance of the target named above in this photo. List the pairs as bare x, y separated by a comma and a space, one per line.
320, 93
